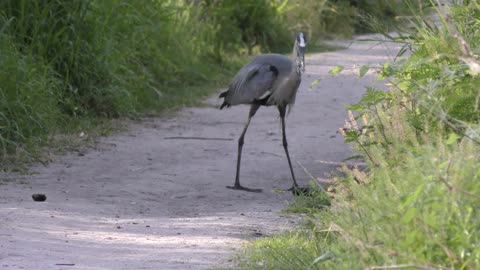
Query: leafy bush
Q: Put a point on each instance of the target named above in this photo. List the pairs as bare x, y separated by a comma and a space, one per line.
418, 204
28, 97
89, 59
384, 14
320, 18
61, 34
250, 23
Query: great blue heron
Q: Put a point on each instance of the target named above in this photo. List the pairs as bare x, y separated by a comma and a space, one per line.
269, 79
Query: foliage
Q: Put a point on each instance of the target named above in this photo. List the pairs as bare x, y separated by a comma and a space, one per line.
250, 23
66, 61
320, 18
27, 97
418, 204
384, 14
313, 200
294, 250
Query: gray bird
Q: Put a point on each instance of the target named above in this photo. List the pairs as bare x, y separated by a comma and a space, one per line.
269, 79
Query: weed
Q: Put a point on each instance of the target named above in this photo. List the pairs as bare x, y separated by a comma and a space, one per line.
417, 205
313, 201
78, 61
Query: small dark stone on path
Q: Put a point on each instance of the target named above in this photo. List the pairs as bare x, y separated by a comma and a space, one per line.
39, 197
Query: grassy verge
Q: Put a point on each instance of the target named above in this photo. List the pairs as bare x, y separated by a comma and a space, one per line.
417, 205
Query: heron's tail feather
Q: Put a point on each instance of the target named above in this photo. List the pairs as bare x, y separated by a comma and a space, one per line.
225, 104
224, 94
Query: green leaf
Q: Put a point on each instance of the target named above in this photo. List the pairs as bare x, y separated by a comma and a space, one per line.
325, 256
364, 70
336, 70
452, 138
411, 214
355, 107
431, 219
404, 85
414, 196
443, 165
385, 72
411, 238
351, 136
373, 97
315, 82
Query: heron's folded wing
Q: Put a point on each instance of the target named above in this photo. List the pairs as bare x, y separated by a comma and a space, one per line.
253, 82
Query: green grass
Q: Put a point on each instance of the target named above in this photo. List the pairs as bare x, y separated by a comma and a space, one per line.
295, 250
417, 205
68, 66
313, 201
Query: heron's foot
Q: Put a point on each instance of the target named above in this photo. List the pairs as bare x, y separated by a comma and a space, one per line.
239, 187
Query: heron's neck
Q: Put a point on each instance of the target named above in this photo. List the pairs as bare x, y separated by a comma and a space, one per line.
296, 70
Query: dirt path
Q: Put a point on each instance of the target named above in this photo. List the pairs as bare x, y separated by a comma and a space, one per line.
149, 201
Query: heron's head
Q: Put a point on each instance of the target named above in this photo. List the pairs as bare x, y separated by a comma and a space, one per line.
301, 43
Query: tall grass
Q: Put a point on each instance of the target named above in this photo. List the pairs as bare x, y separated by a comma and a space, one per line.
64, 61
334, 18
417, 205
28, 96
250, 23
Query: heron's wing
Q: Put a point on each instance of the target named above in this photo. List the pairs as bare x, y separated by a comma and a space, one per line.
253, 82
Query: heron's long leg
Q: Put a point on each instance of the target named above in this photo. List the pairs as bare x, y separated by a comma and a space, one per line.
282, 110
253, 110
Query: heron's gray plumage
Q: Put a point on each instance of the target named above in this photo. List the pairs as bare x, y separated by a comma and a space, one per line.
269, 79
261, 76
271, 74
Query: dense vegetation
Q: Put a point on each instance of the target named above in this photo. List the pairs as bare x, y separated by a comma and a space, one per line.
65, 65
64, 61
417, 205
